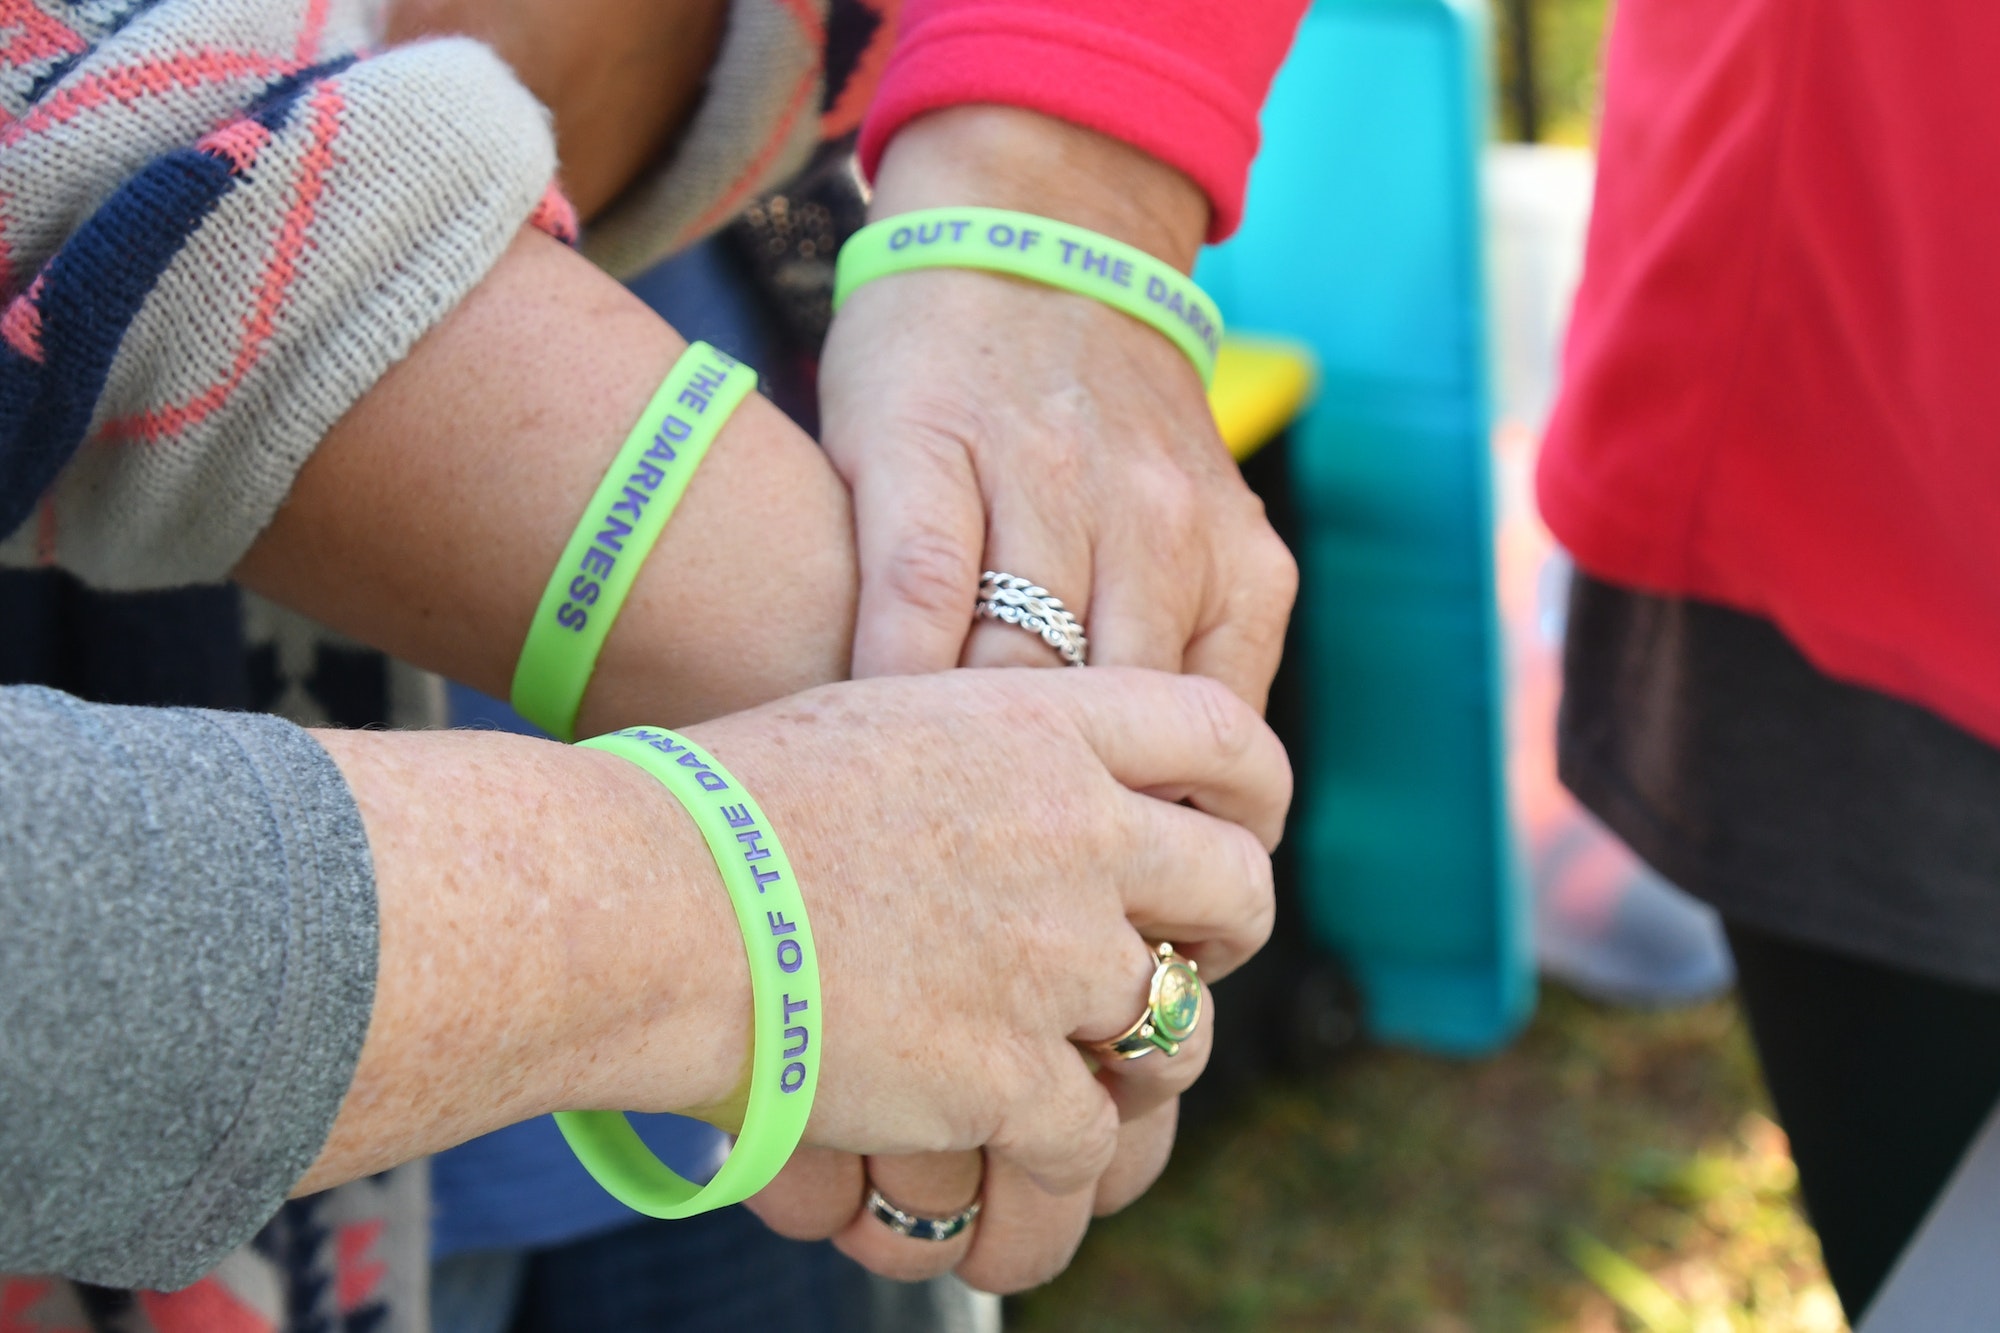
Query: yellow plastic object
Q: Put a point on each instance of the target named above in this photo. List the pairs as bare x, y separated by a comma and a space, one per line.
1260, 385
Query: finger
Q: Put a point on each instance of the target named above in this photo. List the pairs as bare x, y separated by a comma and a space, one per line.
1026, 1234
1144, 1145
1181, 738
1035, 539
919, 533
1245, 639
1151, 570
936, 1185
1140, 1087
816, 1194
1063, 1131
1201, 883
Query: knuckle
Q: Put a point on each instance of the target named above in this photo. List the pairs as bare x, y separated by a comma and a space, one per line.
1277, 574
1128, 1192
1260, 893
939, 429
1225, 721
1093, 1144
1015, 1079
1264, 584
1287, 785
1016, 1272
1167, 504
933, 570
1100, 1137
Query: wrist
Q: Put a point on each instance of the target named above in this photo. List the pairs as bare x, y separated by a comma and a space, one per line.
553, 934
658, 983
1004, 157
761, 556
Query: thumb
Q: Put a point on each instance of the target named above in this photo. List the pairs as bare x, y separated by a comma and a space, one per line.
920, 532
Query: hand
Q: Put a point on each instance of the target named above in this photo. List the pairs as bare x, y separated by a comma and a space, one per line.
984, 877
987, 423
985, 855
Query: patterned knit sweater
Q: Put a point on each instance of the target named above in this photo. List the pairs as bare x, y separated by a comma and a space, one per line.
222, 220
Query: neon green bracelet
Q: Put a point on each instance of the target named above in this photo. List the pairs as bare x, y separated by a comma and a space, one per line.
784, 990
624, 518
1040, 250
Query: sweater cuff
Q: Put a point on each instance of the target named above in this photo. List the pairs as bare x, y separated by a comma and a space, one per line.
1113, 81
186, 985
205, 326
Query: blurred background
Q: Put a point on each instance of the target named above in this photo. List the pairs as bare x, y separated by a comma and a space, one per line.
1489, 1076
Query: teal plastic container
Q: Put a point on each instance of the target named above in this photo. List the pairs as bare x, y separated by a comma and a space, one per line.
1363, 238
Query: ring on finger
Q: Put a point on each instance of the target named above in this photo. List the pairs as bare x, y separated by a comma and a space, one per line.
1173, 1010
1015, 601
915, 1226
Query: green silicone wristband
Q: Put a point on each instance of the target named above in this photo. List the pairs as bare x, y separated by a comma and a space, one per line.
624, 518
784, 990
1040, 250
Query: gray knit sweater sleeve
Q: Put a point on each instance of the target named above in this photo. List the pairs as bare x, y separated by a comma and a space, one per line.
187, 966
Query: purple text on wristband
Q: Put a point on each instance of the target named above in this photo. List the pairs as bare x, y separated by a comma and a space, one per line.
617, 521
707, 778
1177, 299
790, 951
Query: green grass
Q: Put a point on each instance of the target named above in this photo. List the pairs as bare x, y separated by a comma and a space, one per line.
1612, 1171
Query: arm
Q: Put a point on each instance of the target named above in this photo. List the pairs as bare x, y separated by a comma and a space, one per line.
552, 935
1079, 452
535, 956
494, 431
1135, 120
197, 310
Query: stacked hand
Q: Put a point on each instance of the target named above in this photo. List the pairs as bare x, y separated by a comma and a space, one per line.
988, 858
986, 423
969, 941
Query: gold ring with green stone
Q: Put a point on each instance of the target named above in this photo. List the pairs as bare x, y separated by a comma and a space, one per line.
1173, 1008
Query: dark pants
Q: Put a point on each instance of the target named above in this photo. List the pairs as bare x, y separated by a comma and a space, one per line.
1881, 1078
716, 1273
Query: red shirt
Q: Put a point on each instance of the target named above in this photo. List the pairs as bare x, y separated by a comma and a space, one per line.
1783, 374
1181, 79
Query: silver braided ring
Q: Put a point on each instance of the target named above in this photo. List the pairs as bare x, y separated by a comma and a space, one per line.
920, 1228
1018, 602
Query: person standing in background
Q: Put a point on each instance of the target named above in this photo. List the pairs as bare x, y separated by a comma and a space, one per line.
1773, 462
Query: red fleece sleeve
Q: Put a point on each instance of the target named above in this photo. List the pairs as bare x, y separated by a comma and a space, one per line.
1180, 79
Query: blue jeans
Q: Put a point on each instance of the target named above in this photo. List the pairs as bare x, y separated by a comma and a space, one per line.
717, 1273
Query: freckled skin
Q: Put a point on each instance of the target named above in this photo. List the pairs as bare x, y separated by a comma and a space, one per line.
428, 520
981, 876
496, 430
